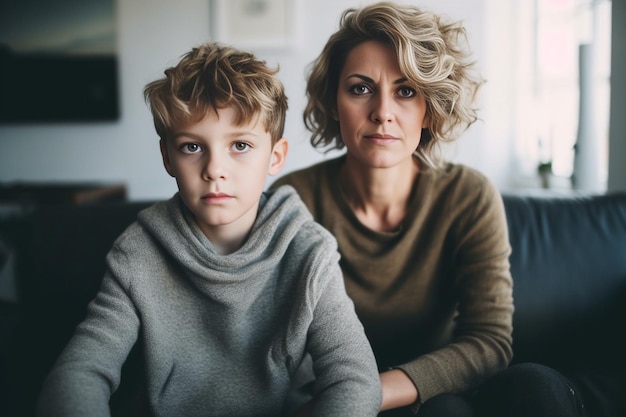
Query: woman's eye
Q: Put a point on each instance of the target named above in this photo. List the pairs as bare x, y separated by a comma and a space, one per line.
240, 146
406, 92
190, 148
359, 89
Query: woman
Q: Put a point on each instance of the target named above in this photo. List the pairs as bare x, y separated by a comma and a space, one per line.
424, 243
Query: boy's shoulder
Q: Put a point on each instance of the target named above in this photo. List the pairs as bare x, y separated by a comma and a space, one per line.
138, 255
301, 243
306, 230
136, 238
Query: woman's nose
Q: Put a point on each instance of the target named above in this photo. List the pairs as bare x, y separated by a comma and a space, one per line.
382, 111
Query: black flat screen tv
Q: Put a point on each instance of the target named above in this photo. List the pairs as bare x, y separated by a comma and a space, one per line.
58, 62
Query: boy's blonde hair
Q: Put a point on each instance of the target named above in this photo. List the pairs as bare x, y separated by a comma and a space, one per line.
214, 76
432, 55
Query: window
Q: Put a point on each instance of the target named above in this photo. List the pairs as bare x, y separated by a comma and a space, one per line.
564, 101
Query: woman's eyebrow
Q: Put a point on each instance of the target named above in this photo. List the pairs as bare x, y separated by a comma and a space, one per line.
360, 76
370, 80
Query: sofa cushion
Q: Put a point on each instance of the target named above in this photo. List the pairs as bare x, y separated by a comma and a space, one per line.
569, 272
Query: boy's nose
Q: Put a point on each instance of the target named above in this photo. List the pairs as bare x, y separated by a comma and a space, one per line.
214, 169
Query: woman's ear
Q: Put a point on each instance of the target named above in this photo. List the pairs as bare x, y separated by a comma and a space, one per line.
279, 155
166, 158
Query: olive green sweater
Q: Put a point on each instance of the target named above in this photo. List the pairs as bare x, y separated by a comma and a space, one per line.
435, 297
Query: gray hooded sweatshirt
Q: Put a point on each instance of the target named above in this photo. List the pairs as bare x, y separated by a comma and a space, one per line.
222, 335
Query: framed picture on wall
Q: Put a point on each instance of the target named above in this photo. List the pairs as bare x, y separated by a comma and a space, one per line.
253, 24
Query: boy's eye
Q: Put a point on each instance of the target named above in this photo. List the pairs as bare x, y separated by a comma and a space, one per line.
240, 146
191, 148
406, 92
360, 89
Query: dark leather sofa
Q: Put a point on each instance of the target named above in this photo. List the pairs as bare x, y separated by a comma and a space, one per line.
568, 266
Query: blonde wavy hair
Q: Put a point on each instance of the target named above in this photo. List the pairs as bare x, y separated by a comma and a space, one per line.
213, 76
432, 54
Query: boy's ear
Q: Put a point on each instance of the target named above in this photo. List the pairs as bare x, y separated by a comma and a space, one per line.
279, 155
166, 158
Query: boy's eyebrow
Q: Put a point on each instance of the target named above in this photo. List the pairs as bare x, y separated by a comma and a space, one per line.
235, 134
176, 135
370, 80
189, 135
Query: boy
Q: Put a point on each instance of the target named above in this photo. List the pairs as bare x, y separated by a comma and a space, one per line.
227, 287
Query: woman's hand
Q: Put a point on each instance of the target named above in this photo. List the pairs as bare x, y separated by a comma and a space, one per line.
398, 390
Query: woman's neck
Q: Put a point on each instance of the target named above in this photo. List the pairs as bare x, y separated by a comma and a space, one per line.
379, 197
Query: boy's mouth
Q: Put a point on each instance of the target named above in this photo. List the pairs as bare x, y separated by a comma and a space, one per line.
216, 197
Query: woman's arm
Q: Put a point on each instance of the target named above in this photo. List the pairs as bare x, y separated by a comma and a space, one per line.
482, 286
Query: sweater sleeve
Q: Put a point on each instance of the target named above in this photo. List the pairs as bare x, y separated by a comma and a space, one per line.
88, 370
347, 381
482, 341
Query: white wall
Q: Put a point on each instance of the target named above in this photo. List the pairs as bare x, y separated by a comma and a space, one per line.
153, 34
